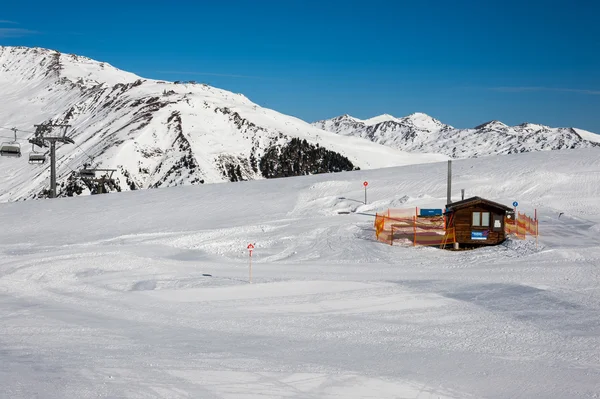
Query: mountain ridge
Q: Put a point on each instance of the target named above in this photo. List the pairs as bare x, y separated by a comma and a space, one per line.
157, 133
419, 132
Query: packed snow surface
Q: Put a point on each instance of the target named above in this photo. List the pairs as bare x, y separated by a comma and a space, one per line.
145, 294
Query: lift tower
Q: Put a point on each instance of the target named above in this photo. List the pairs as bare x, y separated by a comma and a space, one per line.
47, 135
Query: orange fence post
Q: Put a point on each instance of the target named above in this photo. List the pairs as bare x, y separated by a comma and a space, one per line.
537, 232
415, 230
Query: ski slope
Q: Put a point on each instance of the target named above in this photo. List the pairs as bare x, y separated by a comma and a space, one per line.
145, 294
153, 133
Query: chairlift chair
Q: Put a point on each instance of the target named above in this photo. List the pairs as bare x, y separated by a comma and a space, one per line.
10, 149
35, 156
86, 173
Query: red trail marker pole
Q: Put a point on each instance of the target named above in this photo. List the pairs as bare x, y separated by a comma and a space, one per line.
365, 184
250, 249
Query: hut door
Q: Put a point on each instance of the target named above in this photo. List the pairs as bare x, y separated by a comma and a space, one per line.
498, 223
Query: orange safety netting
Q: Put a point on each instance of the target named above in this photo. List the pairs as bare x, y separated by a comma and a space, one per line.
510, 226
522, 226
404, 225
398, 225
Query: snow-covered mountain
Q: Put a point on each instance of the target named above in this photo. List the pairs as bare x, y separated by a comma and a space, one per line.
157, 133
419, 132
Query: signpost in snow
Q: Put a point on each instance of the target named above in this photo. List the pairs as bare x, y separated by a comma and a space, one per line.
366, 183
516, 204
250, 249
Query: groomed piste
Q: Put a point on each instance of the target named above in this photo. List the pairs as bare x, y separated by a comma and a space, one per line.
145, 294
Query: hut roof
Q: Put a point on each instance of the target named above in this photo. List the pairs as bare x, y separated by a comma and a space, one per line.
474, 201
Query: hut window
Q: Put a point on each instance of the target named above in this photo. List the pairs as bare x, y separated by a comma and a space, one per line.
476, 218
481, 219
485, 219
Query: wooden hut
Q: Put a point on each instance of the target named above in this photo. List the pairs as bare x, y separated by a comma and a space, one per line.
478, 221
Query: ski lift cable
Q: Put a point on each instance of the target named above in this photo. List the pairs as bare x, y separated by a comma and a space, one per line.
89, 156
66, 160
20, 130
85, 152
12, 138
76, 145
28, 131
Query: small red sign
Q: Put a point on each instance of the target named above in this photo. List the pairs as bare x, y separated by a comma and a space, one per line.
250, 248
366, 183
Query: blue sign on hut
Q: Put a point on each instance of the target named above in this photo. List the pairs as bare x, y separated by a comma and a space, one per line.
430, 212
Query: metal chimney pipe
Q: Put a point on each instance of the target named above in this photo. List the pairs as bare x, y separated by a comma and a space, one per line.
462, 193
449, 194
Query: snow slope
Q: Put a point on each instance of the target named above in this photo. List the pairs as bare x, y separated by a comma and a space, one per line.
144, 294
419, 132
155, 133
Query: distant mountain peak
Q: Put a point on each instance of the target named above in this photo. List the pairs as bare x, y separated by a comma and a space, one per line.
419, 132
350, 117
533, 126
419, 115
380, 119
416, 118
493, 124
34, 63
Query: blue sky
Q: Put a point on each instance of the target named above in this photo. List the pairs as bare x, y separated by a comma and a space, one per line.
463, 62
